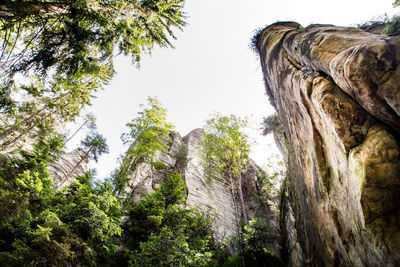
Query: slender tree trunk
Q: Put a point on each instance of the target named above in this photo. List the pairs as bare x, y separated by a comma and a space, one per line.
6, 144
239, 228
23, 123
31, 118
76, 166
242, 201
77, 131
22, 9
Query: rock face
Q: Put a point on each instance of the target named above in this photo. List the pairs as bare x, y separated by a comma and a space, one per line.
208, 195
337, 92
66, 167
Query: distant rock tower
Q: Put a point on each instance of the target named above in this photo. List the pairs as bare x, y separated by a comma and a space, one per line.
67, 167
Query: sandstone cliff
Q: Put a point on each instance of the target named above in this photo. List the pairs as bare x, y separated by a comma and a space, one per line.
337, 92
211, 196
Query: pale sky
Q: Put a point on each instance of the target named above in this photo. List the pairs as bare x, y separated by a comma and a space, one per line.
212, 68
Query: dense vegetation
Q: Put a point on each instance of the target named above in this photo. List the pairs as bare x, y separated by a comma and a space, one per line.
149, 133
82, 224
96, 223
54, 57
225, 150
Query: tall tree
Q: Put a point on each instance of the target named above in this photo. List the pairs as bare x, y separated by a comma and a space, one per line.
64, 51
42, 110
89, 122
148, 133
94, 145
225, 150
160, 231
77, 37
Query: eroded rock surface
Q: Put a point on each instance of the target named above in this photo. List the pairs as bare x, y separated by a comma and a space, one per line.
67, 167
337, 92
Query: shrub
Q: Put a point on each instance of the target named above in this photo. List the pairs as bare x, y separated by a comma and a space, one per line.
158, 165
181, 156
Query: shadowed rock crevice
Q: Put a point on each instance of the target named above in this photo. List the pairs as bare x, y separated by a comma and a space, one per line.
337, 93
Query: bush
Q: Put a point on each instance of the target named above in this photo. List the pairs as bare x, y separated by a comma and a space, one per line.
392, 26
180, 155
158, 165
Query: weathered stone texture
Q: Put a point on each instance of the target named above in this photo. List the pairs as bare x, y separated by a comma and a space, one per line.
66, 168
211, 196
337, 93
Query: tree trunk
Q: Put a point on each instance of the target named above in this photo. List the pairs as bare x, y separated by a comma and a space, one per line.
239, 228
32, 117
22, 9
242, 201
76, 166
76, 131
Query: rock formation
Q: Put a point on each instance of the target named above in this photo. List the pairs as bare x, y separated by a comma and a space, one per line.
213, 196
67, 167
337, 92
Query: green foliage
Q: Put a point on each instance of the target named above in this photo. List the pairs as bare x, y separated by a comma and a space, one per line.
79, 37
256, 236
149, 132
233, 261
387, 25
95, 145
44, 107
93, 214
24, 178
270, 179
63, 53
158, 165
39, 227
76, 226
267, 184
392, 26
225, 151
271, 123
181, 156
225, 147
81, 225
174, 190
170, 249
160, 231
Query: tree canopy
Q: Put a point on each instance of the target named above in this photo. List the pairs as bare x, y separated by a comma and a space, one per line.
225, 147
148, 133
159, 231
55, 55
80, 37
225, 152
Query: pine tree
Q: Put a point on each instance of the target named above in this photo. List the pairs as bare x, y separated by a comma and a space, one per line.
148, 134
160, 231
64, 51
225, 151
77, 37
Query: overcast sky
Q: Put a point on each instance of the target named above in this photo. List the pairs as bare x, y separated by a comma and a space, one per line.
212, 68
